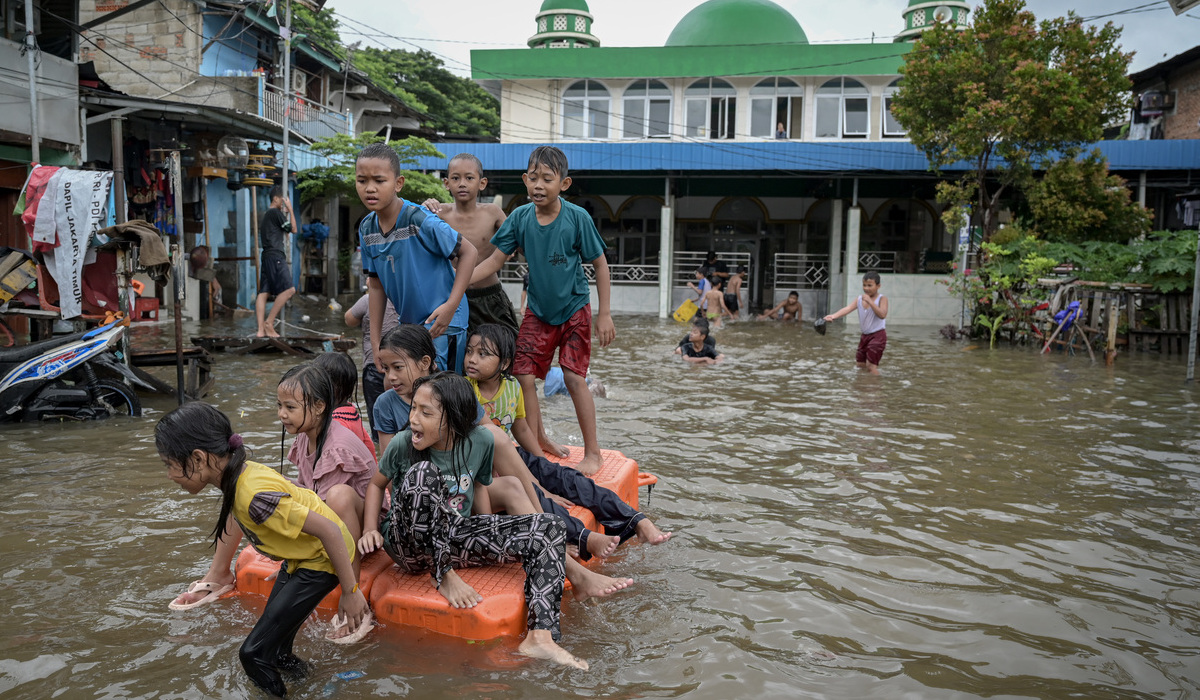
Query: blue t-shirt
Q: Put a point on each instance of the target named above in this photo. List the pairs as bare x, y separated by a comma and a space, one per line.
391, 412
412, 262
558, 286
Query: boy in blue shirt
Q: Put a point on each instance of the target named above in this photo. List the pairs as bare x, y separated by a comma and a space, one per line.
557, 238
406, 256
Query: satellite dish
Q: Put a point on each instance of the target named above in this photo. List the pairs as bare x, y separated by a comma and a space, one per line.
233, 152
942, 14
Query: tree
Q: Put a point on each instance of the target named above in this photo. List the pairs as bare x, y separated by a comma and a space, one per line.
1005, 94
337, 178
1078, 200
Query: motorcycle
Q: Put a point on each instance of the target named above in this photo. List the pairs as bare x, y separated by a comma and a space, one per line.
77, 377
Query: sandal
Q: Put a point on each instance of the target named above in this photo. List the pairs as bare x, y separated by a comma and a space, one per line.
357, 635
214, 590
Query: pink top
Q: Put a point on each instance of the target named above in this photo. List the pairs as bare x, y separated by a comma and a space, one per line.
344, 460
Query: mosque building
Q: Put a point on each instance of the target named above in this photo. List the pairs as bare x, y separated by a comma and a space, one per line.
738, 135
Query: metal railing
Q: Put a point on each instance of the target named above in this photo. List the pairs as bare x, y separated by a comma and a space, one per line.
801, 271
687, 261
514, 271
309, 119
877, 261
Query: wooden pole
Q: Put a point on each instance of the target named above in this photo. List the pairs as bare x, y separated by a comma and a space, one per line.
1110, 349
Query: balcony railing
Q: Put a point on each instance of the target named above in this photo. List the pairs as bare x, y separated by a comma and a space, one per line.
310, 119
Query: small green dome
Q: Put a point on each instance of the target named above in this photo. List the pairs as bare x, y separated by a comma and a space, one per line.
580, 5
729, 22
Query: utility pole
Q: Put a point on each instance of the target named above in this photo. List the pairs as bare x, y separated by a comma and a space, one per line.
286, 31
35, 147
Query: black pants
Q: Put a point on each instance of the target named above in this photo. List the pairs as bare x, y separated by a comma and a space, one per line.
611, 512
372, 388
269, 646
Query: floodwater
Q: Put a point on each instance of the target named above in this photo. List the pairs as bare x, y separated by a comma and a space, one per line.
973, 523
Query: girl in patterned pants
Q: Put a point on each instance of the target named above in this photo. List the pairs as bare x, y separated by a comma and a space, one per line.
433, 469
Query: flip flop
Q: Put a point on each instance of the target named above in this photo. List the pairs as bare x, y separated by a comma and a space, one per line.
355, 636
819, 326
215, 590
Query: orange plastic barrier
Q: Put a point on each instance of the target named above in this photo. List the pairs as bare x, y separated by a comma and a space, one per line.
408, 599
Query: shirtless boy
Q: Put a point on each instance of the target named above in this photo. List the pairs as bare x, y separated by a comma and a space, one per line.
791, 309
714, 306
477, 222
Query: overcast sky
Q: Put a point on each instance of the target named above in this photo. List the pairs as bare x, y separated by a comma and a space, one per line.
1151, 29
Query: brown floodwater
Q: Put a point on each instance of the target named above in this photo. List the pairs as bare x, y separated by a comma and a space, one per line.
973, 523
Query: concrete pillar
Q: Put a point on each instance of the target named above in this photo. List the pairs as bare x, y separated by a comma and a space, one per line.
836, 281
332, 247
1142, 188
666, 260
853, 286
248, 289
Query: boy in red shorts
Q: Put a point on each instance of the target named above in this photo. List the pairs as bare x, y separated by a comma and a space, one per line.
872, 310
557, 238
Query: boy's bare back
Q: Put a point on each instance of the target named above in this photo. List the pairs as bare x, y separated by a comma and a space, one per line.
477, 223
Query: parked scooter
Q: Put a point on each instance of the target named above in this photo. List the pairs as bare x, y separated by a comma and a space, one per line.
77, 377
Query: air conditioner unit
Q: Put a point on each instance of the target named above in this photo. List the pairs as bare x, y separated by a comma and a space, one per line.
299, 81
1181, 6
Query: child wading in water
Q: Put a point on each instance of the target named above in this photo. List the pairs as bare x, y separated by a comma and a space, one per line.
872, 310
284, 521
557, 238
489, 365
330, 459
434, 469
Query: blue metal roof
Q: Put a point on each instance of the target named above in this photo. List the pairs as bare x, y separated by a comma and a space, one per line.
787, 156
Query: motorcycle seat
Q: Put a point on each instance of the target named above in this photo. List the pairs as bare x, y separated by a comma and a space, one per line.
17, 355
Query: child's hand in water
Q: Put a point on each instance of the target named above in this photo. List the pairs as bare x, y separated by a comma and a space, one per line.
353, 608
370, 541
441, 318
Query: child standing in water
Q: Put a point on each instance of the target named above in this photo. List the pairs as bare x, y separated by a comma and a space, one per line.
872, 310
477, 222
557, 237
406, 256
200, 449
433, 469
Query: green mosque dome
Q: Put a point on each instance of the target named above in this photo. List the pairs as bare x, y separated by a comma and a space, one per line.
579, 5
731, 22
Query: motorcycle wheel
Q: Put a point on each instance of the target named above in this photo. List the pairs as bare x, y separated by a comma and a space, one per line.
115, 398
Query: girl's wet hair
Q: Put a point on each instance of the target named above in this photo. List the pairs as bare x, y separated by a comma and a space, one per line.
381, 151
411, 340
500, 341
342, 373
314, 385
199, 426
460, 410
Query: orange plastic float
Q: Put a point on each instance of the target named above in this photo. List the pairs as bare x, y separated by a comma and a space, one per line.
408, 599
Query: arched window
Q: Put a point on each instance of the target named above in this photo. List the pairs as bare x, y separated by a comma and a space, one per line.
891, 127
585, 111
647, 107
710, 109
843, 106
775, 107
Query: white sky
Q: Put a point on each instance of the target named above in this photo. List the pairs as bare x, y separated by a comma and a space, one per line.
1152, 30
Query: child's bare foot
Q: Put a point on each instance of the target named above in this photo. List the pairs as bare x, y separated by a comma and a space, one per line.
589, 584
457, 593
602, 545
572, 551
590, 464
272, 333
539, 644
553, 448
649, 533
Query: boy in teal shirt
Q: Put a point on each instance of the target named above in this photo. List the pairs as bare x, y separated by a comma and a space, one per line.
556, 237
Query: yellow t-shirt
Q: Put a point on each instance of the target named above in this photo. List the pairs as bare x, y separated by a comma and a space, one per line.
505, 407
271, 511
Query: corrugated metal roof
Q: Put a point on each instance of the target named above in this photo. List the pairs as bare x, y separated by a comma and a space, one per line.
787, 156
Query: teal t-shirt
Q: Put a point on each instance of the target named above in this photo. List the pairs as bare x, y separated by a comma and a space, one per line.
460, 468
556, 252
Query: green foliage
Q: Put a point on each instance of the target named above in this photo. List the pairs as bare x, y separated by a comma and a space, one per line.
455, 105
321, 28
1078, 200
1007, 92
337, 178
1168, 260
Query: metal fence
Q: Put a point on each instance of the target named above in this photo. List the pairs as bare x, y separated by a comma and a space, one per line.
688, 261
309, 119
515, 271
801, 271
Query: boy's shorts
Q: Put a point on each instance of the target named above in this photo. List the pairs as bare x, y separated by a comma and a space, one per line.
275, 278
451, 348
491, 305
870, 347
731, 302
537, 341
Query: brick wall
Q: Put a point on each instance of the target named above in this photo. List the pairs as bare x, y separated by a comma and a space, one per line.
148, 52
1185, 122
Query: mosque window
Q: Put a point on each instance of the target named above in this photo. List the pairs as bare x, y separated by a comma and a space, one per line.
560, 23
542, 25
843, 106
647, 110
580, 25
585, 110
918, 18
891, 127
710, 109
775, 109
